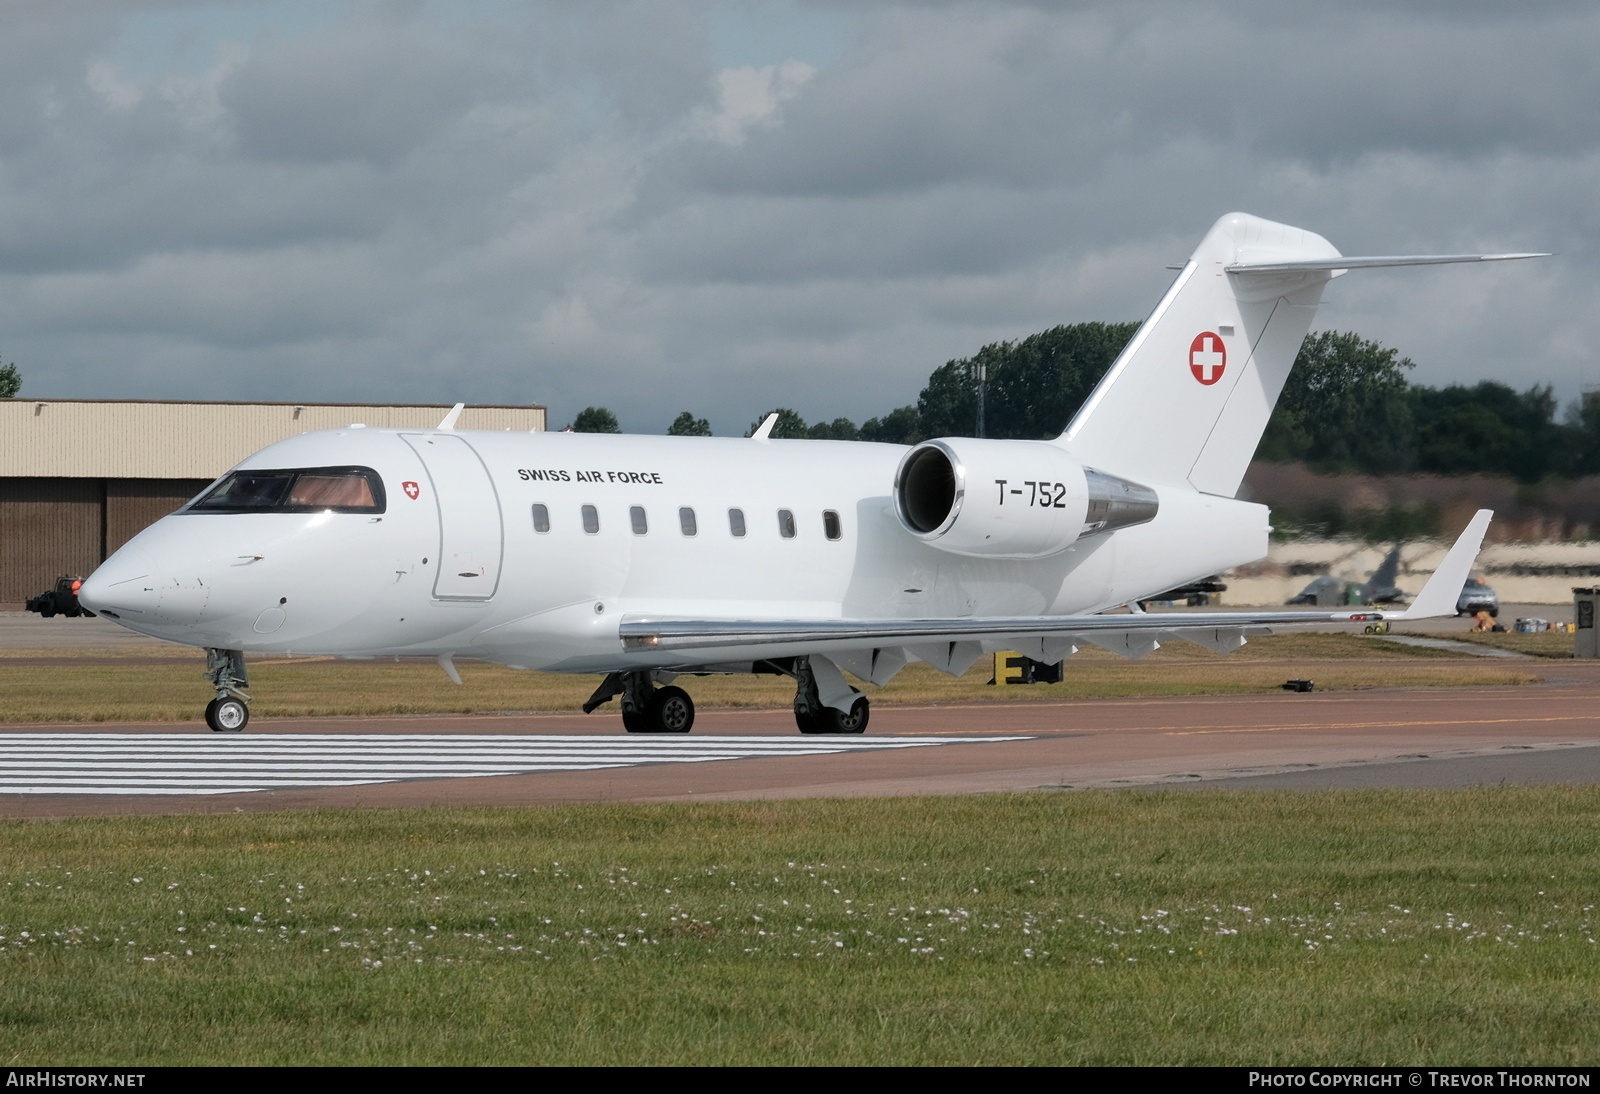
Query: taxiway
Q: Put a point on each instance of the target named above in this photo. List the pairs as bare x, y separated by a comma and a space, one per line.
1538, 733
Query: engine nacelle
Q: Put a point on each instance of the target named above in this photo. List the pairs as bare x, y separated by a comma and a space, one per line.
976, 497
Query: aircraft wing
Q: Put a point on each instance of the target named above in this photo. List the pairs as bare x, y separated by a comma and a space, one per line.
1134, 633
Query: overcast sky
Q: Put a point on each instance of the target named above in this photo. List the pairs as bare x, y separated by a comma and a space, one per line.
722, 207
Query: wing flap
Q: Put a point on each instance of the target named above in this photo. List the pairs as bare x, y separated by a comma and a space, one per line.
926, 635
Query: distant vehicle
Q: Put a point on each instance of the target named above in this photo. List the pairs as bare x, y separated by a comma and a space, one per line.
61, 600
1197, 594
1477, 597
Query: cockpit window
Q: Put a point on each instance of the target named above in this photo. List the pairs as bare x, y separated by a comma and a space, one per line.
296, 490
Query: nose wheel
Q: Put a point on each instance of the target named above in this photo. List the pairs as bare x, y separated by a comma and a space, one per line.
229, 712
228, 715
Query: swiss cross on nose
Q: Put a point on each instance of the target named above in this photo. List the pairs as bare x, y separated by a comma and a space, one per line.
1208, 357
411, 489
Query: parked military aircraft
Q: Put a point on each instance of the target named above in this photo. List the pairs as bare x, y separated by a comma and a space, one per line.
646, 558
1380, 588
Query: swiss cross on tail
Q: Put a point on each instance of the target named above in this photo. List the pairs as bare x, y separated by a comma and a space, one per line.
411, 489
1208, 357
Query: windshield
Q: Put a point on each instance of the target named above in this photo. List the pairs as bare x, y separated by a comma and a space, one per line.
295, 490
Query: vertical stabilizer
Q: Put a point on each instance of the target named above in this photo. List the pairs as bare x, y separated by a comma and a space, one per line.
1388, 571
1188, 399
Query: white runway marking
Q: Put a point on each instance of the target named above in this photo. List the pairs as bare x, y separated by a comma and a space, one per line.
186, 763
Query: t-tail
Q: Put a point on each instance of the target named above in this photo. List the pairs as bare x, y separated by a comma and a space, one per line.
1187, 400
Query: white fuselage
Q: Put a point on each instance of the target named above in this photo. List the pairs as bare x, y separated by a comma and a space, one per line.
454, 564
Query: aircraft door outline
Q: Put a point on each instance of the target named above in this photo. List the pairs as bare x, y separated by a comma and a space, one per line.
471, 528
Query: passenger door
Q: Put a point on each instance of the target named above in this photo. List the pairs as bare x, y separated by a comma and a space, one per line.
471, 532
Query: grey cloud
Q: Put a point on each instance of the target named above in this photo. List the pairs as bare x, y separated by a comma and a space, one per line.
377, 89
1027, 98
738, 239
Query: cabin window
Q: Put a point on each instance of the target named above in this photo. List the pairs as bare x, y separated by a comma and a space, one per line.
830, 524
295, 490
541, 519
686, 521
636, 516
591, 520
736, 523
786, 523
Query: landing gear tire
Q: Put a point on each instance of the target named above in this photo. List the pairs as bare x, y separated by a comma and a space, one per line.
829, 720
671, 711
668, 710
227, 715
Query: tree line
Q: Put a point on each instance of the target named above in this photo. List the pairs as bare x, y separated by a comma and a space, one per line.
1346, 407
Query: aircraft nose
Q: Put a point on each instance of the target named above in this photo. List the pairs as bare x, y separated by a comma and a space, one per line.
132, 589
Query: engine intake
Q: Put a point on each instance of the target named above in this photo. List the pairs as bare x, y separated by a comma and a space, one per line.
969, 496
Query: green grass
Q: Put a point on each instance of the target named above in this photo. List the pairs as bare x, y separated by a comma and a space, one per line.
1156, 928
1537, 644
164, 683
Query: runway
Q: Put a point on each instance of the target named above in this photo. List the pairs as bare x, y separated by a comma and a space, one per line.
1539, 733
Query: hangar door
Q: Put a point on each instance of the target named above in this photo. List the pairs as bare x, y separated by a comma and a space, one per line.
471, 535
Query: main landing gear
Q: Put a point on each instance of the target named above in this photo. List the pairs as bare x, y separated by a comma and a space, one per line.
645, 707
812, 715
229, 712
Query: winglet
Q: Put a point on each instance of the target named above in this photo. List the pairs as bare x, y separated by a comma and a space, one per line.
451, 418
1439, 596
764, 430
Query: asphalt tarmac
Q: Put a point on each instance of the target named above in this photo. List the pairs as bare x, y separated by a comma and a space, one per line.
1403, 737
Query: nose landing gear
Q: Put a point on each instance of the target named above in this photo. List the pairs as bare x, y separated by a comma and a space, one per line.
229, 712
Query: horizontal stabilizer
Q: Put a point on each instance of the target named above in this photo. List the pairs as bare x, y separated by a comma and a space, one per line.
1367, 262
1205, 370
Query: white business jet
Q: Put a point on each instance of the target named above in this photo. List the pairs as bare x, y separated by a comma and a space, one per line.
648, 558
